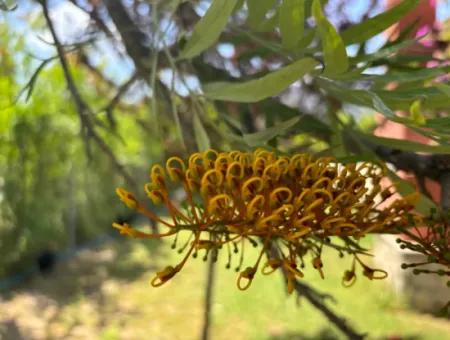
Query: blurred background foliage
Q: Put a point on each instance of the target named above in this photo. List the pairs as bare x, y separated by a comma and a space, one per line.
54, 192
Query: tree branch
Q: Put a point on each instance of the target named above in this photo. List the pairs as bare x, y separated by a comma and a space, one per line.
134, 40
115, 100
445, 191
83, 109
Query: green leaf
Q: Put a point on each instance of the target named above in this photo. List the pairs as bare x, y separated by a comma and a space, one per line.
432, 98
292, 22
439, 123
380, 106
258, 89
384, 52
444, 88
257, 10
307, 38
208, 29
201, 137
406, 145
309, 122
358, 97
29, 87
268, 24
262, 137
410, 76
368, 28
416, 113
232, 122
334, 53
386, 101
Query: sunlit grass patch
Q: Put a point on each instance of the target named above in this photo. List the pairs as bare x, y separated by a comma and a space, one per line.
123, 305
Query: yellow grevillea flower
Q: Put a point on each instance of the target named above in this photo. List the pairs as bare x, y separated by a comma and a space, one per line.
292, 203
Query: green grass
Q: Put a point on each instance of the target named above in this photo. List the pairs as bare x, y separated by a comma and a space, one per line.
101, 297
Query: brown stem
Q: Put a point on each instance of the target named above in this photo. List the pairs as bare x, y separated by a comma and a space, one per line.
445, 190
208, 296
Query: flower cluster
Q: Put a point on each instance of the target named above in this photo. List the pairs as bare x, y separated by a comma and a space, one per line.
291, 203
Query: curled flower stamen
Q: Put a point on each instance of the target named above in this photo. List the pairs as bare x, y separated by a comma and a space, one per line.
157, 175
245, 278
212, 177
374, 274
270, 266
255, 207
164, 276
251, 187
280, 196
318, 265
125, 229
349, 278
127, 198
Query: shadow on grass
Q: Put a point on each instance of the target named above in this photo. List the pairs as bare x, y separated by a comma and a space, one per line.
84, 274
328, 334
323, 334
93, 275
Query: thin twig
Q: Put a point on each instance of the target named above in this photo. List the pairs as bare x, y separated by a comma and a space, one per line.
109, 108
95, 71
83, 109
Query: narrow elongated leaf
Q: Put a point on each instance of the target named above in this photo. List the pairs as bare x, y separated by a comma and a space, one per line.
262, 137
439, 123
268, 24
334, 53
29, 87
431, 98
410, 76
444, 88
386, 101
385, 52
368, 28
208, 29
309, 122
292, 22
257, 10
358, 97
381, 107
406, 145
307, 38
201, 137
258, 89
